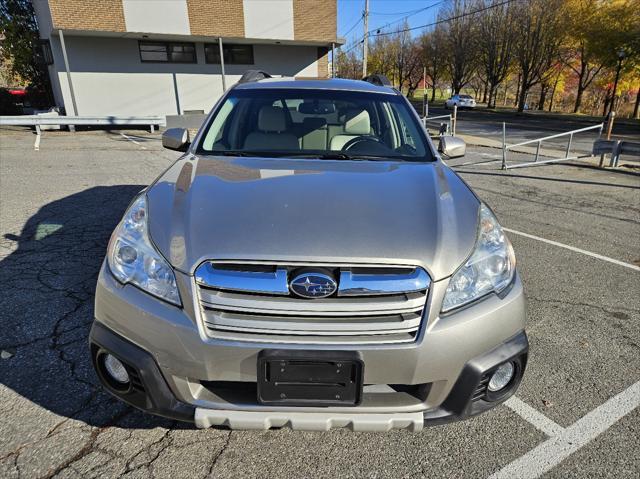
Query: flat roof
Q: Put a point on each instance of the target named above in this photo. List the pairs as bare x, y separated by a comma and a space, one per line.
316, 84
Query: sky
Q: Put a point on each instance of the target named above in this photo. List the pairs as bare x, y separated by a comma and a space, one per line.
381, 13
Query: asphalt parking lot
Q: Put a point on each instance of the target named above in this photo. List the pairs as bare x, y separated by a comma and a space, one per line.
576, 232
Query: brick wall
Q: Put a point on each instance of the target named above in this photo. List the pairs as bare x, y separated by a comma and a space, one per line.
323, 62
223, 18
104, 15
315, 20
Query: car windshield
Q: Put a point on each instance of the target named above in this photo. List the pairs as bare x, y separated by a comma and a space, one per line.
307, 123
465, 97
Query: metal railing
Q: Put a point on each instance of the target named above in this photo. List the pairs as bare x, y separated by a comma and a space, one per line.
538, 143
449, 122
615, 148
38, 121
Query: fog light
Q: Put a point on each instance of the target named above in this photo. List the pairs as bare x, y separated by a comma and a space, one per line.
116, 369
501, 377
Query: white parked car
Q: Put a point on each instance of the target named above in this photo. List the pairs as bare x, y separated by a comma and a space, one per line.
461, 101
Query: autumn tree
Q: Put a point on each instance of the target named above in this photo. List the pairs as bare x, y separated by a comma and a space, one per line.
460, 41
348, 65
21, 45
495, 43
539, 33
587, 33
623, 16
397, 55
433, 49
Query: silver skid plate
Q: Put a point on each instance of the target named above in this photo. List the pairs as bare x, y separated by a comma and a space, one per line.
308, 421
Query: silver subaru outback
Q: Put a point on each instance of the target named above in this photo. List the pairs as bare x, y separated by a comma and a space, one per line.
309, 262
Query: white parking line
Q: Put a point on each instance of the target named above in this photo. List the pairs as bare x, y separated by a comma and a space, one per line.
534, 417
577, 250
554, 450
132, 140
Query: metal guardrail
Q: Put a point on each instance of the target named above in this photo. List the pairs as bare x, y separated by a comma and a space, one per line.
35, 120
615, 148
538, 143
44, 120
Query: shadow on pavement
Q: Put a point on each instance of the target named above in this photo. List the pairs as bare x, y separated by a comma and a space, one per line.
48, 283
543, 178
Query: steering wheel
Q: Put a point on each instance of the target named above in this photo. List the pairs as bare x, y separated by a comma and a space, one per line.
361, 139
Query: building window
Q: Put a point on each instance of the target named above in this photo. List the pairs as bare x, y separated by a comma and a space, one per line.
233, 54
43, 54
167, 52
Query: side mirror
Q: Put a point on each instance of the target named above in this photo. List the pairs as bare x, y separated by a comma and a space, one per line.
176, 139
452, 146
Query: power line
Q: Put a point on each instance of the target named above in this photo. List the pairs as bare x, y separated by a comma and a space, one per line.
445, 20
359, 41
355, 45
395, 13
354, 26
410, 14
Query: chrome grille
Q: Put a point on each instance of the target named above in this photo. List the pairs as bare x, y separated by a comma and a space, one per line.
252, 302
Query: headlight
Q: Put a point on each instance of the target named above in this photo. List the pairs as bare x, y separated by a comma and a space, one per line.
133, 259
490, 268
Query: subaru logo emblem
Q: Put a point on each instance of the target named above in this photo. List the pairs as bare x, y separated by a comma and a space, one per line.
313, 285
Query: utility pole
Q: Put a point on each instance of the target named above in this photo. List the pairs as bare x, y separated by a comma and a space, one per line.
365, 41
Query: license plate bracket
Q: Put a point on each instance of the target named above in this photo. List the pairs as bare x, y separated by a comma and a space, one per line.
310, 378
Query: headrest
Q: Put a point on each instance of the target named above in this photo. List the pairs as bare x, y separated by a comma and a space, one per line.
314, 122
271, 118
356, 122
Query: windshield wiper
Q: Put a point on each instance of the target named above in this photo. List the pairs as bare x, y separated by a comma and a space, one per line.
247, 153
335, 155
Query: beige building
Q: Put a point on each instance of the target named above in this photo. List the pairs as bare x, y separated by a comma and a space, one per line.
162, 57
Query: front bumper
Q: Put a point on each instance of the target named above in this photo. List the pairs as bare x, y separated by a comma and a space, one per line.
182, 370
151, 393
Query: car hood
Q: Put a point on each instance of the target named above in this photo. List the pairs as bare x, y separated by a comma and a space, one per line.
315, 211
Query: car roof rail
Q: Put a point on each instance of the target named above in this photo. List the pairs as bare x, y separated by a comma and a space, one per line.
253, 75
377, 79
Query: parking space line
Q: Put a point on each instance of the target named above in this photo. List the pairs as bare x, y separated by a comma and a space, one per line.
132, 140
573, 248
534, 417
550, 453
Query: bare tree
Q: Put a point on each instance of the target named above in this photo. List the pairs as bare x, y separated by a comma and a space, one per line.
495, 44
460, 42
349, 65
397, 55
539, 34
434, 56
